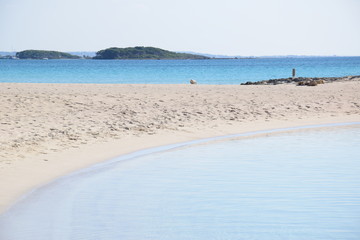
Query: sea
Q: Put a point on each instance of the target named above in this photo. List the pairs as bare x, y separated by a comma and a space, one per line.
211, 71
294, 185
298, 185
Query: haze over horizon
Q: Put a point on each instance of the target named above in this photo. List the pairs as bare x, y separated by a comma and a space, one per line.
229, 27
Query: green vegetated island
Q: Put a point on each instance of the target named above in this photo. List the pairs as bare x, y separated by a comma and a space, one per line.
112, 53
143, 53
41, 54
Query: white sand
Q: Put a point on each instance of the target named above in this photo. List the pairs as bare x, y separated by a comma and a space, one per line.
49, 130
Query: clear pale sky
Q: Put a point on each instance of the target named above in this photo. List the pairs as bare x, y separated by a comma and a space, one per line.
232, 27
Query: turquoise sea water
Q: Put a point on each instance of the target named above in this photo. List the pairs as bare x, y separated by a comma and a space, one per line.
214, 71
295, 186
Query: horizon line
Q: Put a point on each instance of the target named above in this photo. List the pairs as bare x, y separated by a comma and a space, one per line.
209, 54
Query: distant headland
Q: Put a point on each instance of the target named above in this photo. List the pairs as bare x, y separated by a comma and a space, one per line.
143, 53
41, 54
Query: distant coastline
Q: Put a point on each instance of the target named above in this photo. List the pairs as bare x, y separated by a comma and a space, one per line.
158, 55
106, 54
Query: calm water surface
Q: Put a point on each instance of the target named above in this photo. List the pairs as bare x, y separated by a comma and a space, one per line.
300, 185
214, 71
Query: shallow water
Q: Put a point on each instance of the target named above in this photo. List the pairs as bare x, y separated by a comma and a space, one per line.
300, 185
213, 71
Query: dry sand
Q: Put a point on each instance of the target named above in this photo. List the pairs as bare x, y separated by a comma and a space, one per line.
48, 130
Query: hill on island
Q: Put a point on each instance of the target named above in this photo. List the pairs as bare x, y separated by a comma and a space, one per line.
41, 54
143, 53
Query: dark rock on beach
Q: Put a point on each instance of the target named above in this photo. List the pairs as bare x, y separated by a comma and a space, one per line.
303, 81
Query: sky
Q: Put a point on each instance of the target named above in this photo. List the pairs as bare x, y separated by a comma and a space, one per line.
228, 27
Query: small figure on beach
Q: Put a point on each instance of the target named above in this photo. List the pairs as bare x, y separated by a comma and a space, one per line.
193, 81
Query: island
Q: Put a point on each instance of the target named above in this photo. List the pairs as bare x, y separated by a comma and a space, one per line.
42, 54
143, 53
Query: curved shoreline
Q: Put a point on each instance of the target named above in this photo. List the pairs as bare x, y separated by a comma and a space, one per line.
169, 147
50, 130
192, 143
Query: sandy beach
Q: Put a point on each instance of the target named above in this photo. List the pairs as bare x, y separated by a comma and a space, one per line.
49, 130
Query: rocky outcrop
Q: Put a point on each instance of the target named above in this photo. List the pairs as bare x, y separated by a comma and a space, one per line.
303, 81
310, 83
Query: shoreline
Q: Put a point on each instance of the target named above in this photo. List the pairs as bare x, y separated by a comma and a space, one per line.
168, 147
86, 158
215, 111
